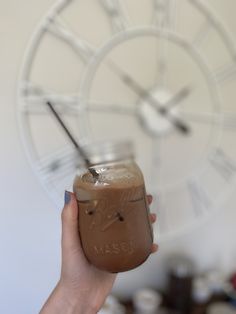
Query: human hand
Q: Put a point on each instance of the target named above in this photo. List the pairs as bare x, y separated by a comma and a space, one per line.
82, 288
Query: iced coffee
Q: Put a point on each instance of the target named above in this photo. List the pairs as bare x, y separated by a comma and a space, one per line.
114, 224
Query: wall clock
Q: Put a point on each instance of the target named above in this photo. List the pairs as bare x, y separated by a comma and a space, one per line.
159, 72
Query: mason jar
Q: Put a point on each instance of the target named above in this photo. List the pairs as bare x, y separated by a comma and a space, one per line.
114, 224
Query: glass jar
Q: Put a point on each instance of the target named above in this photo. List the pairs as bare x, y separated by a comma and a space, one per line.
114, 224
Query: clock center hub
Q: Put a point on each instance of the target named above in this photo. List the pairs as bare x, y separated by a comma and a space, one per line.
155, 116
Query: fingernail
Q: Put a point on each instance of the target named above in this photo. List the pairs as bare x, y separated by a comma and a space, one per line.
67, 197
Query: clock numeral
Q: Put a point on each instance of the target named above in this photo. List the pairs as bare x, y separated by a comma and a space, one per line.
200, 199
35, 98
223, 164
164, 17
225, 73
202, 34
207, 25
116, 13
59, 164
58, 28
164, 14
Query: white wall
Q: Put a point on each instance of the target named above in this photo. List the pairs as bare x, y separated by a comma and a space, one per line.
29, 221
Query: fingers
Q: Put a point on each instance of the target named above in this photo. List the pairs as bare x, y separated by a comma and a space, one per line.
154, 248
70, 234
149, 199
153, 217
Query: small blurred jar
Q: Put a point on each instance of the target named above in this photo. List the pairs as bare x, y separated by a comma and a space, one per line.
181, 273
146, 301
216, 282
200, 296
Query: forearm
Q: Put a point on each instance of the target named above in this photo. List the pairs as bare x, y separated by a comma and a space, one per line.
61, 303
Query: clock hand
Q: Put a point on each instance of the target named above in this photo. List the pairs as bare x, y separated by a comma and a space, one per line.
139, 90
178, 97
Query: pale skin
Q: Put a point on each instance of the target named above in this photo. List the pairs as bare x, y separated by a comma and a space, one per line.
82, 288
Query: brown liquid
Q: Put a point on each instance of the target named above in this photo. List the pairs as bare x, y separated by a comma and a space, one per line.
114, 225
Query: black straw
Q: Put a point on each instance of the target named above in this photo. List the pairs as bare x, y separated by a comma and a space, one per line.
72, 139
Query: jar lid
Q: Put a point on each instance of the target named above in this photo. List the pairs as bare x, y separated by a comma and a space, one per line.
181, 266
109, 151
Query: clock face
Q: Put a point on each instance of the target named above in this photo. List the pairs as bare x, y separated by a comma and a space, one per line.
161, 73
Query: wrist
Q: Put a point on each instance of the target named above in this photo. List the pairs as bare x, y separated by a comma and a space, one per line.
76, 301
65, 301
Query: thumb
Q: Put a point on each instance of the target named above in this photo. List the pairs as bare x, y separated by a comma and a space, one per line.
70, 225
